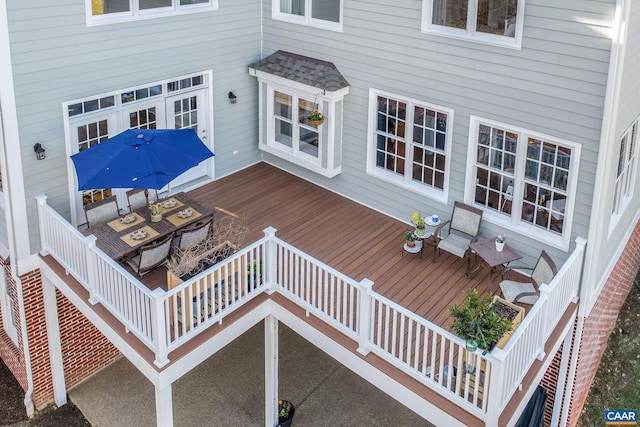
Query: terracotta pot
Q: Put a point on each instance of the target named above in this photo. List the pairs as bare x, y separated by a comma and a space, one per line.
411, 243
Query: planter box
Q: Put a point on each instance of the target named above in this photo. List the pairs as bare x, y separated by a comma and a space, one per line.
198, 290
516, 320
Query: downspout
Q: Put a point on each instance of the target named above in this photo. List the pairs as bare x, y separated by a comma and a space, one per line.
28, 395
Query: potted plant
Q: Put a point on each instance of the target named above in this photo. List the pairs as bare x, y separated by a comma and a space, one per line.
156, 211
410, 240
286, 411
418, 221
480, 320
316, 118
500, 241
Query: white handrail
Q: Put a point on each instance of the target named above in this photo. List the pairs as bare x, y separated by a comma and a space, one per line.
165, 320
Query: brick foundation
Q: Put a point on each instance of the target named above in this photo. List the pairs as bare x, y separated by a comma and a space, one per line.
601, 321
85, 350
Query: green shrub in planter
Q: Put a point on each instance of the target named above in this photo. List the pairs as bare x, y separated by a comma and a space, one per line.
476, 319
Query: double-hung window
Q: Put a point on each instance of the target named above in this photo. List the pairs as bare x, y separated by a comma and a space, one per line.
488, 21
626, 170
522, 180
410, 143
109, 11
325, 14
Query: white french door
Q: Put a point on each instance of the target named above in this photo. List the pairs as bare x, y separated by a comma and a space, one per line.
184, 111
86, 133
176, 104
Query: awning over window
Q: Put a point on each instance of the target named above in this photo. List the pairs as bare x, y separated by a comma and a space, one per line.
302, 69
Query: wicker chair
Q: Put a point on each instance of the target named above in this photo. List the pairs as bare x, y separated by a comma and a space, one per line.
102, 211
528, 292
463, 228
150, 256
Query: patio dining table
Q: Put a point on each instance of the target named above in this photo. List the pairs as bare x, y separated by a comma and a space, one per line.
115, 238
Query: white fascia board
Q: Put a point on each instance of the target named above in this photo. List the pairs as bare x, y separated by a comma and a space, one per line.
301, 87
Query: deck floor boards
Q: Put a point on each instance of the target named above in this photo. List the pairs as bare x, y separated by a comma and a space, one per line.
354, 239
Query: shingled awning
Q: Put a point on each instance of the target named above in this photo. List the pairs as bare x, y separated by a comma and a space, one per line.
302, 69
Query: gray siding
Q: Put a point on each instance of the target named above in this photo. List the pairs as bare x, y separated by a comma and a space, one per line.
555, 85
57, 58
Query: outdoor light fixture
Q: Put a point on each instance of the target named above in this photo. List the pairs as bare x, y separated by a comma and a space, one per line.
39, 151
232, 98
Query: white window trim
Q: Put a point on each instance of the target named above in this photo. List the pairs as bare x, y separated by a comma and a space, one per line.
626, 195
470, 33
307, 19
514, 222
406, 181
135, 14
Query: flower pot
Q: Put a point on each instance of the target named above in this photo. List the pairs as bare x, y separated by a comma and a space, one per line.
411, 243
419, 232
156, 217
315, 122
286, 422
499, 246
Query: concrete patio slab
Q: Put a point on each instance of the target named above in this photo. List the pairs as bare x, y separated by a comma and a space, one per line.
228, 390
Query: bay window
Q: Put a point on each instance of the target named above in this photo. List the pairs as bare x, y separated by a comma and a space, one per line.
410, 143
522, 179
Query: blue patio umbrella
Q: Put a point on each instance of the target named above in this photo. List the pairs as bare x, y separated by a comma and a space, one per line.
139, 158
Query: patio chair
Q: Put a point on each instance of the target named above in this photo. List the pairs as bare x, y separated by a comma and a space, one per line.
140, 197
150, 256
193, 235
463, 227
102, 211
528, 292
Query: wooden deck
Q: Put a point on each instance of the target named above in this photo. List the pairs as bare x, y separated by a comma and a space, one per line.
358, 241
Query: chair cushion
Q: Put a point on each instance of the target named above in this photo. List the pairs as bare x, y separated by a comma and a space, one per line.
511, 289
454, 244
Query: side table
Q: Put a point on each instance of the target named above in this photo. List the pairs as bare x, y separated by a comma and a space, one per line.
489, 256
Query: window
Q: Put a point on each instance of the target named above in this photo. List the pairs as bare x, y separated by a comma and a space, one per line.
295, 134
523, 180
623, 187
318, 13
410, 144
488, 21
108, 11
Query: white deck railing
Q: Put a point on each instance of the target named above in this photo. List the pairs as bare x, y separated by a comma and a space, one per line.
164, 321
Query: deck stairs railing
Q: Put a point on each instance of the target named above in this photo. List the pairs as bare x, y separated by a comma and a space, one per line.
165, 320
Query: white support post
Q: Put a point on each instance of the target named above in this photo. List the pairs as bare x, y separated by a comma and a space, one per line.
270, 264
41, 200
92, 260
496, 385
364, 315
164, 406
53, 339
158, 322
270, 371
